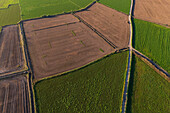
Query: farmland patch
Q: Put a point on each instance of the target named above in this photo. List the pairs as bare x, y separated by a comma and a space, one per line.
14, 95
63, 46
95, 88
10, 15
37, 8
153, 41
112, 24
149, 92
153, 10
120, 5
5, 3
11, 54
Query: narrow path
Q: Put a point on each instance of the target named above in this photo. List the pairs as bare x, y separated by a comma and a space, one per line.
126, 84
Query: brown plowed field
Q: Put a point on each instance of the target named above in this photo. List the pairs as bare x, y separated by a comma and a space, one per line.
61, 48
111, 23
11, 54
157, 11
14, 96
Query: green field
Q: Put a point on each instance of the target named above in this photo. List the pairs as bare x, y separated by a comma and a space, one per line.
92, 89
10, 15
120, 5
5, 3
149, 92
38, 8
154, 41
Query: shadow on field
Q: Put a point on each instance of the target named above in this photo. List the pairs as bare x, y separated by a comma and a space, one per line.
130, 89
133, 33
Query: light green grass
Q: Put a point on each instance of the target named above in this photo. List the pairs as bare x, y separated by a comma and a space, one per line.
154, 41
38, 8
149, 92
5, 3
10, 15
95, 88
120, 5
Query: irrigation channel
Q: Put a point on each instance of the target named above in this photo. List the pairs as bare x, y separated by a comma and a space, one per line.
126, 84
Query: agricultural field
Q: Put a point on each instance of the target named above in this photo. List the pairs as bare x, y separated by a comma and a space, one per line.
149, 92
156, 11
119, 5
10, 15
63, 46
153, 41
5, 3
112, 24
89, 89
14, 96
11, 54
37, 8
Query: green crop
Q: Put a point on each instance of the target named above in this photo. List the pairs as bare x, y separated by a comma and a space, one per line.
94, 88
154, 41
148, 91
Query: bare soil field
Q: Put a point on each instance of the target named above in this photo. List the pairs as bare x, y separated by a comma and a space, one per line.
157, 11
14, 96
111, 23
60, 48
11, 54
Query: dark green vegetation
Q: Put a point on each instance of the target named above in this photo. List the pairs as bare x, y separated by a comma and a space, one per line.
154, 41
94, 88
149, 92
10, 15
5, 3
38, 8
120, 5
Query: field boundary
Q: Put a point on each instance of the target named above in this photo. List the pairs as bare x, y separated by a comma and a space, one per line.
31, 74
126, 84
97, 32
152, 64
66, 72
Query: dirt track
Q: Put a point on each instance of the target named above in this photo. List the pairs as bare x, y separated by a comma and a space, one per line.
11, 56
111, 23
157, 11
61, 48
14, 95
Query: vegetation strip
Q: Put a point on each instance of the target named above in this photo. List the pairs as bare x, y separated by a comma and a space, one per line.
157, 67
126, 85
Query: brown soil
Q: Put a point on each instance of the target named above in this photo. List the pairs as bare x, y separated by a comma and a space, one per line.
11, 56
111, 23
14, 95
61, 48
157, 11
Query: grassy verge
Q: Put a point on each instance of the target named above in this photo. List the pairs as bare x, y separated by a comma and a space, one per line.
94, 88
39, 8
5, 3
10, 15
120, 5
154, 41
148, 91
